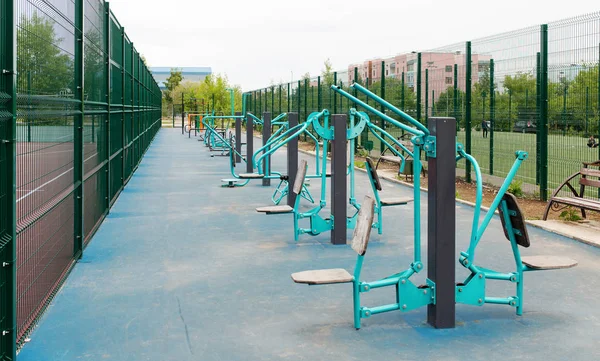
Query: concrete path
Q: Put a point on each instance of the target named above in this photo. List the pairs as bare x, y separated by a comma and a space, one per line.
183, 269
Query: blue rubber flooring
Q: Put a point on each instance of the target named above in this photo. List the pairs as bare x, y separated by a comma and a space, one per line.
183, 269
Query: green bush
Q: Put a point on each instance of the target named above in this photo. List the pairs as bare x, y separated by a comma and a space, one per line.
359, 164
516, 188
570, 215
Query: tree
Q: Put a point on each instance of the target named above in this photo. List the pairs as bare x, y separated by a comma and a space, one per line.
172, 82
327, 73
42, 67
208, 95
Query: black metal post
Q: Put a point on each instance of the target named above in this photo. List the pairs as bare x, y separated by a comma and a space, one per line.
441, 226
238, 138
249, 143
339, 194
292, 159
266, 134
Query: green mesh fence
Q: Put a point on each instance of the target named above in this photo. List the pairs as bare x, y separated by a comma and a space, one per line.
493, 87
75, 120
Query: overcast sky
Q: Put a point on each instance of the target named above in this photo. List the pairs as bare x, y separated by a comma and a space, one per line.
262, 41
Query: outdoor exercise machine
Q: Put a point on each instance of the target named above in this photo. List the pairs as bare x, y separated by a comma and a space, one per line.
345, 143
440, 291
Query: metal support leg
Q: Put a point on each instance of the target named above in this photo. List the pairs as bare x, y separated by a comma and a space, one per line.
292, 160
238, 138
339, 194
266, 133
441, 222
249, 144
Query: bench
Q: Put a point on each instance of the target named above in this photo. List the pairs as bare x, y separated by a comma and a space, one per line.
557, 202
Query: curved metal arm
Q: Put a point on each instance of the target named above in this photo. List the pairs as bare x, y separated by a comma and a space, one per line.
390, 107
256, 119
377, 112
478, 197
255, 161
280, 116
390, 147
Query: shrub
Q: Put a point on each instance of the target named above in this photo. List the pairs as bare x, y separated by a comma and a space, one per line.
516, 188
570, 215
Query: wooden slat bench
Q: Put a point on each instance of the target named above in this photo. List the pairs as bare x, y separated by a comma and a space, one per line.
576, 199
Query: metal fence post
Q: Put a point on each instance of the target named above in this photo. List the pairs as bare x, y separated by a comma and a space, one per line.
334, 94
419, 87
492, 116
468, 110
381, 146
355, 106
299, 98
538, 137
78, 131
289, 95
402, 103
272, 99
319, 93
455, 97
8, 183
107, 50
123, 142
426, 96
305, 102
544, 112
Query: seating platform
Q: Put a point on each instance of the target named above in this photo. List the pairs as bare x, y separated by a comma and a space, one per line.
396, 201
275, 209
322, 277
548, 262
251, 176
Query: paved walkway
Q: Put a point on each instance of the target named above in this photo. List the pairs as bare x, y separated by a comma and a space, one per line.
183, 269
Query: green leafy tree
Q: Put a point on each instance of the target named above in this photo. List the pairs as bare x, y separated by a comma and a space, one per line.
172, 82
327, 74
43, 68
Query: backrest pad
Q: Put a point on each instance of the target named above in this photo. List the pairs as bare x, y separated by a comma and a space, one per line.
362, 232
374, 174
300, 175
517, 221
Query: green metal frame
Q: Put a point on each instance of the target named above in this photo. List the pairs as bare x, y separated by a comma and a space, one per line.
8, 155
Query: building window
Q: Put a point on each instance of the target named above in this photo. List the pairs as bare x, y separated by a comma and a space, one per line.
449, 80
483, 67
410, 67
387, 72
448, 68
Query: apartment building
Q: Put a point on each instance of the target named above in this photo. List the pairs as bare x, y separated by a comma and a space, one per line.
438, 67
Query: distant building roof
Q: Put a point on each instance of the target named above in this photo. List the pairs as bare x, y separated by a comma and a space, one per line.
200, 70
